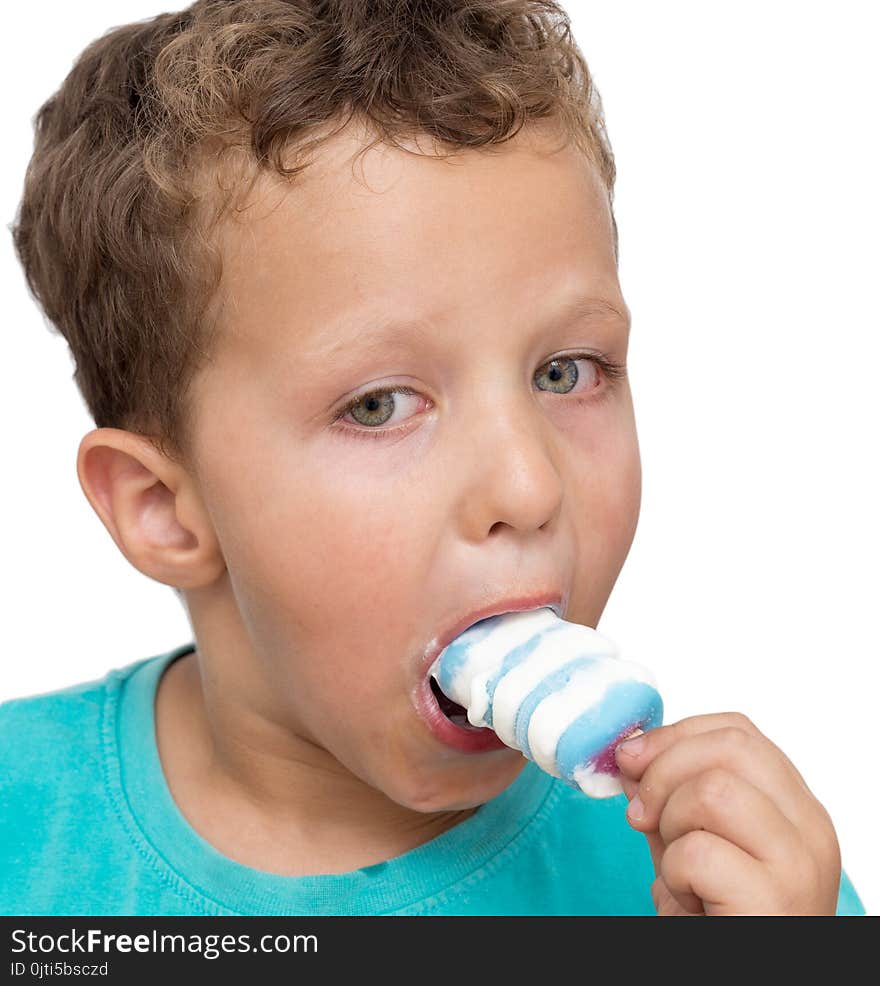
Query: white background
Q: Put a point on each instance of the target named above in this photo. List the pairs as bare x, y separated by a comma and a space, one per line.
746, 142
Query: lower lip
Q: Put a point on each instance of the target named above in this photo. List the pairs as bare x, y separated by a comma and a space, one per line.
465, 740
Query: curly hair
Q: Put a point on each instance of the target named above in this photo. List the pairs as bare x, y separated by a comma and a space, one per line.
115, 225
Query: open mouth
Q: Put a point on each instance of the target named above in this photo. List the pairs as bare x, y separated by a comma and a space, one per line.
448, 721
454, 712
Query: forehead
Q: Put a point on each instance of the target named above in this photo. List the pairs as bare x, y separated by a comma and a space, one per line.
359, 247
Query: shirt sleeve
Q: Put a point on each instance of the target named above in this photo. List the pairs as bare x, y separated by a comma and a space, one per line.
848, 903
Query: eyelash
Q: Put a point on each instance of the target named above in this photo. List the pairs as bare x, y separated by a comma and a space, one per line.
611, 370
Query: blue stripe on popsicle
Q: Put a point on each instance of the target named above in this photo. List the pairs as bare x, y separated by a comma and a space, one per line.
551, 683
624, 704
455, 654
516, 656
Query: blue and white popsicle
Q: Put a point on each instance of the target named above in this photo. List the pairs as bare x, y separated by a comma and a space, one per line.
556, 691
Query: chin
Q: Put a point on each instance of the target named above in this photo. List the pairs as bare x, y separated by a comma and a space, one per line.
459, 788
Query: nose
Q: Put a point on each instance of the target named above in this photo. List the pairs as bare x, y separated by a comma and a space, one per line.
512, 477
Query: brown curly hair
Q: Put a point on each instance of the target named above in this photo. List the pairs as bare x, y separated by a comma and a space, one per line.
114, 229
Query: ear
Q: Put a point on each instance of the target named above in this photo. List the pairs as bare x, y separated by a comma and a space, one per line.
151, 507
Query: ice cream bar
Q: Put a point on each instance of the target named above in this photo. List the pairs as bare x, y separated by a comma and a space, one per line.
557, 691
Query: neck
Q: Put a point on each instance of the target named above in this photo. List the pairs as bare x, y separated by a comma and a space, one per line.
266, 797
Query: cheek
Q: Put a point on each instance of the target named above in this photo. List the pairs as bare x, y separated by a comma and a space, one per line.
324, 562
606, 486
622, 491
319, 523
628, 467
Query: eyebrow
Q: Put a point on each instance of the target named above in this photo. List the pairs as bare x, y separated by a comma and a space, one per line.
587, 307
382, 331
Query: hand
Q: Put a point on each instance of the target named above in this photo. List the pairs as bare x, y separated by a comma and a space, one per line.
731, 825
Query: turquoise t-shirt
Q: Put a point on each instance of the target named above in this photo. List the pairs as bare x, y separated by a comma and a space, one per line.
89, 826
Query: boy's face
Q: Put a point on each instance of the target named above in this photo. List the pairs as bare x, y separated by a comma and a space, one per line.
351, 544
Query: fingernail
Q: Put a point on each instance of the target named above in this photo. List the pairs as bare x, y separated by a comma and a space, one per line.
635, 809
633, 746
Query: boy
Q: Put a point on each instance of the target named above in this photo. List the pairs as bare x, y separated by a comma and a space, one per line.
346, 415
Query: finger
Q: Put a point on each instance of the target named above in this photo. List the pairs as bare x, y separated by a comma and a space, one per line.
730, 807
732, 749
630, 787
633, 756
669, 906
657, 847
724, 877
654, 839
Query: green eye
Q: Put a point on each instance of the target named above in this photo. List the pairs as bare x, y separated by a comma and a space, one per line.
562, 373
374, 408
378, 407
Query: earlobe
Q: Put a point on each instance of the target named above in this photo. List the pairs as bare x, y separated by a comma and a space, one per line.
151, 508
